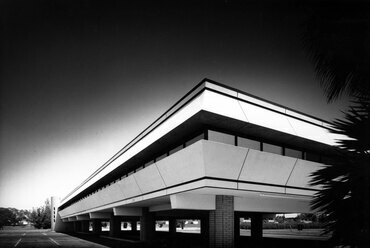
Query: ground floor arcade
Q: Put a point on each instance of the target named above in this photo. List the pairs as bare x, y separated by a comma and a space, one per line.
164, 228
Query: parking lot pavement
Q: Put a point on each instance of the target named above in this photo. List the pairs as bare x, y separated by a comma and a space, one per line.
38, 239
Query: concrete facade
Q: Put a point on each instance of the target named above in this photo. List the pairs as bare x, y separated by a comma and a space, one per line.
216, 155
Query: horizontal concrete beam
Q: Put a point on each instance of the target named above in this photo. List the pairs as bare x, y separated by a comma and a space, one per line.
273, 203
83, 217
193, 201
65, 220
157, 208
99, 215
125, 211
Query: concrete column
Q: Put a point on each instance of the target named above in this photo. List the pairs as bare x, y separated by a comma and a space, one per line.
172, 226
85, 226
221, 223
256, 229
236, 229
76, 226
133, 226
97, 226
172, 229
147, 225
204, 230
114, 226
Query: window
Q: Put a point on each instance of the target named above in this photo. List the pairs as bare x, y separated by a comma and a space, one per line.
162, 225
161, 157
126, 226
248, 143
272, 148
312, 157
195, 139
221, 137
149, 163
186, 226
293, 153
174, 150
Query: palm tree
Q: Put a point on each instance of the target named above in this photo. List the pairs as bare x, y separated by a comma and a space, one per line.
337, 39
346, 185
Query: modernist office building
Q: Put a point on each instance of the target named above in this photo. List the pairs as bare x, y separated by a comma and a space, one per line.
217, 155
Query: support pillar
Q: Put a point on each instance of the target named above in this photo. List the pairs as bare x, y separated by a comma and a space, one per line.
236, 229
147, 225
85, 226
114, 226
76, 226
256, 230
97, 226
133, 226
172, 229
221, 223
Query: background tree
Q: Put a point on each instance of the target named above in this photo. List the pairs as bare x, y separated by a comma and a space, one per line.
7, 217
337, 39
41, 216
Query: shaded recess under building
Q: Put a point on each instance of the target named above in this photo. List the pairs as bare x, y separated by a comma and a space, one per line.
217, 155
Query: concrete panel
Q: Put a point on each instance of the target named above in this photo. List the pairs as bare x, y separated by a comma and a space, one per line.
72, 218
266, 118
261, 103
260, 188
186, 187
130, 187
222, 105
182, 166
267, 168
300, 192
109, 194
300, 176
222, 160
126, 211
99, 215
304, 117
221, 89
104, 196
313, 132
149, 179
154, 194
278, 204
193, 201
220, 184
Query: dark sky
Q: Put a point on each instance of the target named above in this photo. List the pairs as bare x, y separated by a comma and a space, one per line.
80, 79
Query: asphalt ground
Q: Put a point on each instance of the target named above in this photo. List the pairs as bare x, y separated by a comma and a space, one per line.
46, 238
36, 239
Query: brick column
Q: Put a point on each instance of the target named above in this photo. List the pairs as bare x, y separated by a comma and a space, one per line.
221, 223
256, 229
147, 225
114, 226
